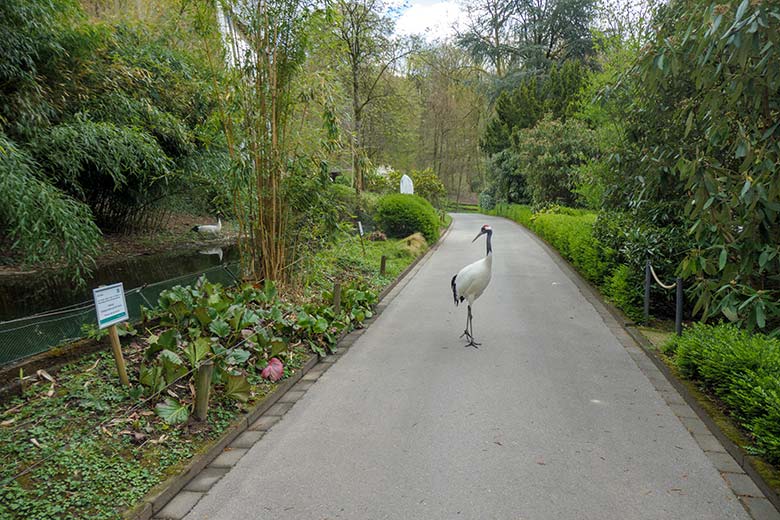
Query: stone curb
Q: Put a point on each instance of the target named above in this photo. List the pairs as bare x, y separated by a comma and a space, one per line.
167, 492
702, 427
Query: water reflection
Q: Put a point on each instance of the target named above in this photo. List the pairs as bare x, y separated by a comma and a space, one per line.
213, 251
26, 294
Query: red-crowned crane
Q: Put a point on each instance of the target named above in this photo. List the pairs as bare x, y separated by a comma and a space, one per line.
471, 281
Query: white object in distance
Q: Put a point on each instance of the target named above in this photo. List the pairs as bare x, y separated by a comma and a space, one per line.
209, 229
407, 186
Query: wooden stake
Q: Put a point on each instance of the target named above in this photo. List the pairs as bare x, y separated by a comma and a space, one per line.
383, 265
336, 298
202, 389
116, 347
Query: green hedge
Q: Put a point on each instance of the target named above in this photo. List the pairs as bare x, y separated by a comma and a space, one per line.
400, 215
570, 232
740, 369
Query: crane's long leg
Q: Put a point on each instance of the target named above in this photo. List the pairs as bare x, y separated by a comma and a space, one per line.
470, 331
468, 322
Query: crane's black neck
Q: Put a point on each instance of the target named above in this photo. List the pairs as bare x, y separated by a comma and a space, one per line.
489, 236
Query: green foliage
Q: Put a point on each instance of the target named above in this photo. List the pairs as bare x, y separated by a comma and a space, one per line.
572, 236
506, 184
426, 185
549, 156
556, 93
702, 123
487, 201
113, 118
89, 471
624, 287
514, 110
572, 233
43, 222
400, 215
740, 369
508, 35
239, 329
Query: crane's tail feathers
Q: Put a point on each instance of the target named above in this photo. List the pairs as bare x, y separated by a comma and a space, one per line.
195, 228
454, 290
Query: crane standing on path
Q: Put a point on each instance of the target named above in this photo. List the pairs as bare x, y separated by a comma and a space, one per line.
471, 281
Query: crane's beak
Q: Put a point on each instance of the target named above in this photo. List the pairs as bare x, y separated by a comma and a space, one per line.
478, 235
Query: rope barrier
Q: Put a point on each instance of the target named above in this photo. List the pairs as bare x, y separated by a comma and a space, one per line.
659, 282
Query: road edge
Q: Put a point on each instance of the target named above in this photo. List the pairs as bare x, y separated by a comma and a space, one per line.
633, 338
164, 496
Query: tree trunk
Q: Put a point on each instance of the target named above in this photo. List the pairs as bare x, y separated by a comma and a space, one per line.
357, 141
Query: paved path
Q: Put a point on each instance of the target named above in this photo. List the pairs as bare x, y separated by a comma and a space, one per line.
552, 418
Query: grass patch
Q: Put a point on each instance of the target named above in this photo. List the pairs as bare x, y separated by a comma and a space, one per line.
347, 259
97, 452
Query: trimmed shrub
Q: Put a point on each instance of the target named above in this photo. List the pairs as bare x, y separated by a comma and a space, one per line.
572, 236
400, 215
625, 291
740, 369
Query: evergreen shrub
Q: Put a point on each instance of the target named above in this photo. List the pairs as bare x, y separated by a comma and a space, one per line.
740, 369
400, 215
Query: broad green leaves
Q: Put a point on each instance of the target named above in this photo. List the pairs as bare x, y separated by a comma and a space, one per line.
704, 118
172, 411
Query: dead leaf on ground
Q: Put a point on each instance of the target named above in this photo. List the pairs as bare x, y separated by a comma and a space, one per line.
45, 375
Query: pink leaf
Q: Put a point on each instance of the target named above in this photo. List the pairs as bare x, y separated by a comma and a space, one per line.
273, 371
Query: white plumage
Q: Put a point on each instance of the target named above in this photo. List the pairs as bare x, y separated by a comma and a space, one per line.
209, 229
471, 282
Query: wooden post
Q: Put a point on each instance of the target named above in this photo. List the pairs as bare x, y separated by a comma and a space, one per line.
383, 265
202, 389
337, 298
116, 347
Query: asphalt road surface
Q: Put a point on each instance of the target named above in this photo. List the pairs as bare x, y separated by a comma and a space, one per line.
549, 419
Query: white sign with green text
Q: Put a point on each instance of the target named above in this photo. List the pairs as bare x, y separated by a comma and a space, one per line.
110, 305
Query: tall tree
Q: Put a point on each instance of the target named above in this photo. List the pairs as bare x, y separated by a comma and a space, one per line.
451, 117
528, 34
369, 52
488, 34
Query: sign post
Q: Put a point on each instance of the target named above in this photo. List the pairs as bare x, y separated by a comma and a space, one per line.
111, 309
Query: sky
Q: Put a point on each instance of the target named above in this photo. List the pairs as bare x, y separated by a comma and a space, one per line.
430, 18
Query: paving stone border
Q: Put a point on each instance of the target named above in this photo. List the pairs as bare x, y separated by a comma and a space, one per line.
759, 499
175, 497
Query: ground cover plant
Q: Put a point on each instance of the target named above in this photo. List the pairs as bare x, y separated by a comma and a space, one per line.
742, 371
83, 446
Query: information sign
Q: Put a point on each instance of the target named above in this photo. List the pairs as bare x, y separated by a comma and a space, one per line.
110, 305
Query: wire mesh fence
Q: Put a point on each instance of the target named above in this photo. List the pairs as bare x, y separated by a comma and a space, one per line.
24, 337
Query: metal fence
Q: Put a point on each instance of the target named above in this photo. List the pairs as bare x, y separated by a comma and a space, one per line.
24, 337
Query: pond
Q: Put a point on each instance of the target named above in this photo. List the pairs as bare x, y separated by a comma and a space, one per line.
26, 294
